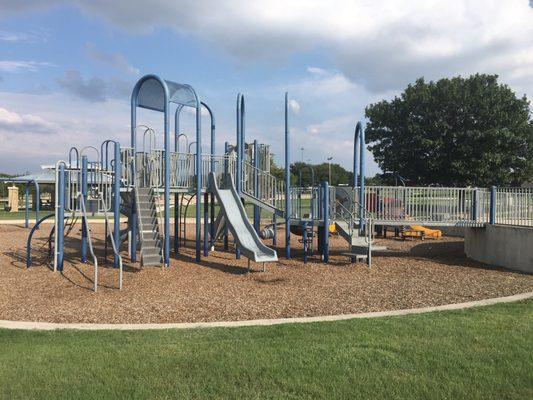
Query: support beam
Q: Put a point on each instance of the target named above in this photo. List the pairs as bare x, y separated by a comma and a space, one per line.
116, 202
84, 186
287, 182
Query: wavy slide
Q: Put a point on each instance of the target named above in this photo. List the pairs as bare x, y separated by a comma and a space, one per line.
243, 232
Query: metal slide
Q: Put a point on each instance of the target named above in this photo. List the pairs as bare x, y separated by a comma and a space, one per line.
243, 232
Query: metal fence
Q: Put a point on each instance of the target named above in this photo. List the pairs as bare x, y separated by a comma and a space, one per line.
426, 205
513, 206
99, 186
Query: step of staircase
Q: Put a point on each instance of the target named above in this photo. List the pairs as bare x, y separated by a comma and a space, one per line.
151, 260
151, 249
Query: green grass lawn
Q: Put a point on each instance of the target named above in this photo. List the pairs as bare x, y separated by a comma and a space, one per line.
476, 354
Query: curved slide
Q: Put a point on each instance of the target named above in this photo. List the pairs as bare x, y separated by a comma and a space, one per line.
243, 232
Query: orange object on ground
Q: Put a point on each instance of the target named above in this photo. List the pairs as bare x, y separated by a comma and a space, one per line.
418, 231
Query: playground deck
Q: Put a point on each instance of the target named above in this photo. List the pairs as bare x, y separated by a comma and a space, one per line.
411, 274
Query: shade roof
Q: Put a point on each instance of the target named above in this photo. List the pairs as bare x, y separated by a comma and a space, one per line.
152, 96
45, 176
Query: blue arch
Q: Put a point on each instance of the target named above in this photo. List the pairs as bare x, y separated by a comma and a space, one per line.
37, 203
154, 93
359, 168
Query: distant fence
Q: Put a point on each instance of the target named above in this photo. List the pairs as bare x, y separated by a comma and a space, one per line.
513, 206
400, 205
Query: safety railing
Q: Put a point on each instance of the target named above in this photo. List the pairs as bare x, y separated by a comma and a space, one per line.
513, 206
127, 163
305, 202
426, 205
99, 184
181, 170
83, 211
343, 199
221, 165
114, 246
262, 186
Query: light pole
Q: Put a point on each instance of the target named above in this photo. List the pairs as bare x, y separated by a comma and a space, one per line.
329, 169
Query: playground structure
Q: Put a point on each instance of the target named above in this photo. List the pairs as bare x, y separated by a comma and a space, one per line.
139, 182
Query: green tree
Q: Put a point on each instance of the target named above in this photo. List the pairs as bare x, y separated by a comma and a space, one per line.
457, 132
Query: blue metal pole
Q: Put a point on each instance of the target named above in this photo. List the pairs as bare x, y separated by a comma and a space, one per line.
362, 179
83, 222
359, 169
60, 215
226, 239
116, 201
37, 202
198, 169
166, 200
132, 220
325, 246
492, 210
474, 204
176, 196
287, 182
239, 146
257, 210
27, 211
240, 151
355, 179
304, 240
177, 126
212, 169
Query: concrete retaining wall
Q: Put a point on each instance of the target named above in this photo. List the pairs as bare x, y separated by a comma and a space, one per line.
509, 247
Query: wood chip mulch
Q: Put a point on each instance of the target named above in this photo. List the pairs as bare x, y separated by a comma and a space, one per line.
411, 273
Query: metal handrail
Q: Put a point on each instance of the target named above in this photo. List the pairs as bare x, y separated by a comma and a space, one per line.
270, 191
113, 245
89, 240
159, 216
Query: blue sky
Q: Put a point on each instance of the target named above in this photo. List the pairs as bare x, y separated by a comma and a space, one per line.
67, 67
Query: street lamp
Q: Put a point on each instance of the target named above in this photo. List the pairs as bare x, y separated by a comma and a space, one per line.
329, 169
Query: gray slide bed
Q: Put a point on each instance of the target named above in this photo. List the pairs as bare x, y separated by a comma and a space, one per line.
243, 232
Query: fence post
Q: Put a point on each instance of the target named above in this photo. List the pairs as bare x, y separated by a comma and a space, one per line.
474, 204
60, 217
116, 202
325, 244
257, 210
492, 215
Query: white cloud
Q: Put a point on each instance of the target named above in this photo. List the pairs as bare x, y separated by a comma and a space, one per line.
94, 89
115, 60
56, 123
294, 106
16, 66
381, 45
24, 37
13, 122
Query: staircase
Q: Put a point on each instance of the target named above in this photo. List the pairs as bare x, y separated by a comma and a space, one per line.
151, 245
360, 246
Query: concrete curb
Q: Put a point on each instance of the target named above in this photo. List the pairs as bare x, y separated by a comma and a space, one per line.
28, 325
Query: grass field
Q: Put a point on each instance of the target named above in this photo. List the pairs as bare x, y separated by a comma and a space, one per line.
476, 354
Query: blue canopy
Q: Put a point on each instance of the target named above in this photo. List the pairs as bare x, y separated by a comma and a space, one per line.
151, 94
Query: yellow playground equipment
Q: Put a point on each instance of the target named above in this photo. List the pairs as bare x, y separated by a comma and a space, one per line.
418, 231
